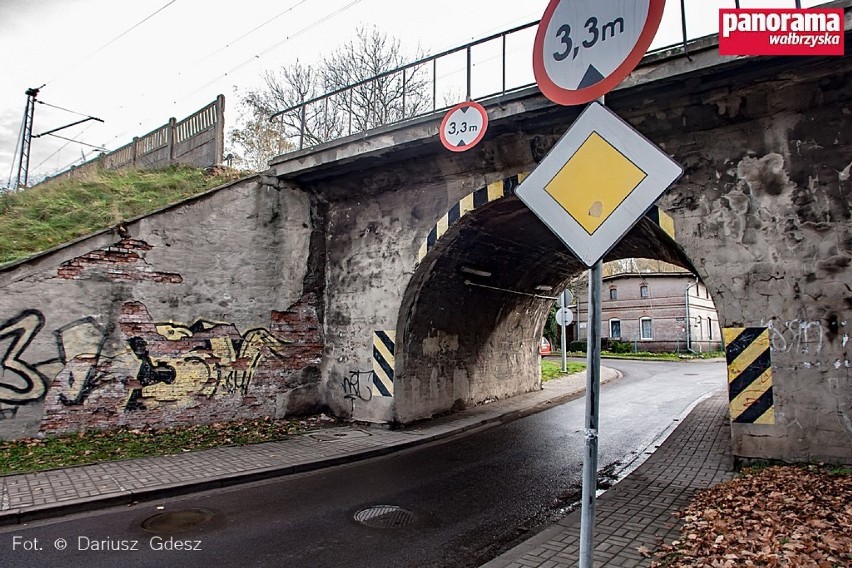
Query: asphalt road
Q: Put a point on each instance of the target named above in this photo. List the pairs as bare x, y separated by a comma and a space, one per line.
471, 497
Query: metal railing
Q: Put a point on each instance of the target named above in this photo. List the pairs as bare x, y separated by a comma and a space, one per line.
403, 93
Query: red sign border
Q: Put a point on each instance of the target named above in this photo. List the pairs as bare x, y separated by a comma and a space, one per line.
570, 97
479, 108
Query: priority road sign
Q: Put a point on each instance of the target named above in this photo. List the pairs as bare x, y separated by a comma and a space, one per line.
463, 126
597, 182
584, 48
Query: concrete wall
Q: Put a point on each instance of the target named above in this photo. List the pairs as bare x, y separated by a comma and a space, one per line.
203, 312
764, 213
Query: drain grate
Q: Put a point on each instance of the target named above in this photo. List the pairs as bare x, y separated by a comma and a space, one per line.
176, 521
384, 517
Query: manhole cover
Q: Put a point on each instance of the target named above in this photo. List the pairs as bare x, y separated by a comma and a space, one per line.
384, 516
176, 521
333, 436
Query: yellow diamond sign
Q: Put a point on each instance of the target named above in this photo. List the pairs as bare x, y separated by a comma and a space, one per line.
594, 182
599, 179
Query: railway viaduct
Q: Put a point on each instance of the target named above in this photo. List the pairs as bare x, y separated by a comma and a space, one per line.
389, 280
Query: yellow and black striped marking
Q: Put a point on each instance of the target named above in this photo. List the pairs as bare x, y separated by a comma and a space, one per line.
480, 197
662, 219
384, 344
749, 375
499, 190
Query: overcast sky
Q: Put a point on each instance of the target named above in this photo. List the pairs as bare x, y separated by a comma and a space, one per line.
137, 63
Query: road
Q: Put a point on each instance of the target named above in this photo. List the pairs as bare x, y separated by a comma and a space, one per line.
471, 497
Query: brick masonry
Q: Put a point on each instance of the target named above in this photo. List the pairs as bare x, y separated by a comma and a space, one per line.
123, 261
198, 373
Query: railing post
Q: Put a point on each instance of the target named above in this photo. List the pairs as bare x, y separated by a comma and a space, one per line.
434, 84
170, 139
504, 64
220, 129
403, 95
302, 127
469, 72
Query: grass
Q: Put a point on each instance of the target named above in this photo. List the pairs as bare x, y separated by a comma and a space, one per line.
652, 356
34, 454
53, 213
551, 370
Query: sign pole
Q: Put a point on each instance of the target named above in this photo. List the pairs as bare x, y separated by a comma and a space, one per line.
593, 387
563, 334
593, 390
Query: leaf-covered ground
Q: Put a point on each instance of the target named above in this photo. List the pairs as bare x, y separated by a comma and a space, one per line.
790, 516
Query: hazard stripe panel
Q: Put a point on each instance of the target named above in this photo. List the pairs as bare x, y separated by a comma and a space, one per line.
499, 190
384, 345
749, 375
480, 197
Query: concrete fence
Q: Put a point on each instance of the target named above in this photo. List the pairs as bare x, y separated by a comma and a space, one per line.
197, 140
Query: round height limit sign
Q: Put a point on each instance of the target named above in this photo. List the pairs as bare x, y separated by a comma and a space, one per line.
463, 126
584, 48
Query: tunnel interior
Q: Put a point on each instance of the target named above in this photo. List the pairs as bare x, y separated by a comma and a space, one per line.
473, 313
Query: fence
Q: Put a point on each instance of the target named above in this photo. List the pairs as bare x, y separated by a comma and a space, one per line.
485, 68
197, 140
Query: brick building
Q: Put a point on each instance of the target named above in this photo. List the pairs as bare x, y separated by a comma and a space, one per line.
651, 309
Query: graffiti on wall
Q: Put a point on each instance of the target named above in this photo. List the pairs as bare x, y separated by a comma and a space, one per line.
179, 362
353, 389
20, 381
363, 385
151, 364
806, 340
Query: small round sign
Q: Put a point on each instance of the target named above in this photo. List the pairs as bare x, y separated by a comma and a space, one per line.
463, 126
585, 48
564, 316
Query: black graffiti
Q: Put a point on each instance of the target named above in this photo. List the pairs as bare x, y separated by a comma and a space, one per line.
150, 373
21, 382
8, 413
352, 388
88, 361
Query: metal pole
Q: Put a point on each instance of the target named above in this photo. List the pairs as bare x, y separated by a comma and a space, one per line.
302, 128
469, 73
593, 380
564, 333
504, 64
593, 390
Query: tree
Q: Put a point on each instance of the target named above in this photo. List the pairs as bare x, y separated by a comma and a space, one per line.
258, 140
388, 97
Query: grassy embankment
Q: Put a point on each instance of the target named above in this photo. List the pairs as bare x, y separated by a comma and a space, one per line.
48, 215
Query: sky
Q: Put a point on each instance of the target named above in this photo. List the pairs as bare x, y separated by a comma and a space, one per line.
136, 64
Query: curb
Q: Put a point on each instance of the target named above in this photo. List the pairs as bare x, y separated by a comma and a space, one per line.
132, 497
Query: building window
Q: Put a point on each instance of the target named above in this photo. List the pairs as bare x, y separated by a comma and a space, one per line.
615, 329
643, 291
710, 328
646, 329
613, 293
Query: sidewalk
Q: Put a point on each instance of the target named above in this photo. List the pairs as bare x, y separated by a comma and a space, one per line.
52, 493
636, 512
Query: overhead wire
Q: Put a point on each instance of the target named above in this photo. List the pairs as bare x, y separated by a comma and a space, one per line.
273, 47
77, 141
65, 109
254, 57
248, 33
17, 147
112, 41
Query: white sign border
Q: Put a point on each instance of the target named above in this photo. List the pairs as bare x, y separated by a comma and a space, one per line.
661, 170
